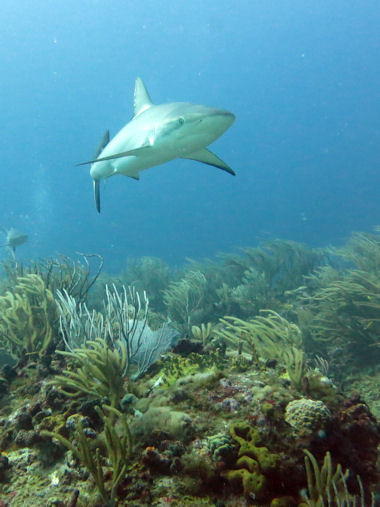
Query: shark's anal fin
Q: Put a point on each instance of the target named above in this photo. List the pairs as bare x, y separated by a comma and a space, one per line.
128, 153
97, 194
103, 143
208, 157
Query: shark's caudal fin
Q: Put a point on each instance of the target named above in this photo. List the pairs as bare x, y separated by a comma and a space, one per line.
208, 157
103, 143
97, 194
142, 100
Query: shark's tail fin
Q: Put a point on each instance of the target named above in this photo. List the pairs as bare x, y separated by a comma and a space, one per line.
97, 194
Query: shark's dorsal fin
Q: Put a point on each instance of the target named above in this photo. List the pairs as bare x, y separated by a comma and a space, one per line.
142, 99
208, 157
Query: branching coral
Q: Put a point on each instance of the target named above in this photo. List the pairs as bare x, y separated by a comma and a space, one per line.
28, 316
284, 263
148, 274
327, 486
273, 337
364, 251
60, 273
98, 372
253, 293
342, 308
184, 300
118, 445
204, 332
123, 311
122, 326
347, 312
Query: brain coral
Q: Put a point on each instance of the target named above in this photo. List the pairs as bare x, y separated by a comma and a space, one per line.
306, 415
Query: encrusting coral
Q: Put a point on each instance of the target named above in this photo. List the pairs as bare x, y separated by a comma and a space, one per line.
253, 462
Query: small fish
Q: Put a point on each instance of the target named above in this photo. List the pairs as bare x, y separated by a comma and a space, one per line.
13, 238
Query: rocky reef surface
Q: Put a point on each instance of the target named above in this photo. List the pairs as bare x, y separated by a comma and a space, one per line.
252, 381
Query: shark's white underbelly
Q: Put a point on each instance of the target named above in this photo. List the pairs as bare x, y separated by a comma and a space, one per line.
132, 165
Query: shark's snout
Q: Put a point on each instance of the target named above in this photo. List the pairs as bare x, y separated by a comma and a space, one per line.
228, 118
217, 121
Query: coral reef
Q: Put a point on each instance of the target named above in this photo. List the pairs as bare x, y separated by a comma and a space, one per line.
97, 372
28, 316
253, 462
259, 392
307, 416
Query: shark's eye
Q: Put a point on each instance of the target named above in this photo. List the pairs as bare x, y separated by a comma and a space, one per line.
181, 120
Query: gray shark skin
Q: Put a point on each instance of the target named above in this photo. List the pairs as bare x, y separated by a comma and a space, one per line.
14, 238
157, 134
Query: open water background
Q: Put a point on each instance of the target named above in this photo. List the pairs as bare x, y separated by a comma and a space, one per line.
302, 78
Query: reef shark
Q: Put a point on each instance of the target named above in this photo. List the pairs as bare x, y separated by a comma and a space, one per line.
13, 238
158, 134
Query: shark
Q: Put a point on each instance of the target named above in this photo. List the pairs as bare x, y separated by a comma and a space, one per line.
157, 134
13, 238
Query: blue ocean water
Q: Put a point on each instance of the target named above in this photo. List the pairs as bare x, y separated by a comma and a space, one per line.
302, 78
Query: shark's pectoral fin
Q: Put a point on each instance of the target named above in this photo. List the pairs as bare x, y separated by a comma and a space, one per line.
129, 153
103, 143
208, 157
97, 194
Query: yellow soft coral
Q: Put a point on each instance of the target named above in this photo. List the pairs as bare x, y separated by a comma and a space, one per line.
27, 316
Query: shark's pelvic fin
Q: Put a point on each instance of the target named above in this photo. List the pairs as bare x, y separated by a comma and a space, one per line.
208, 157
97, 194
103, 143
128, 153
142, 99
